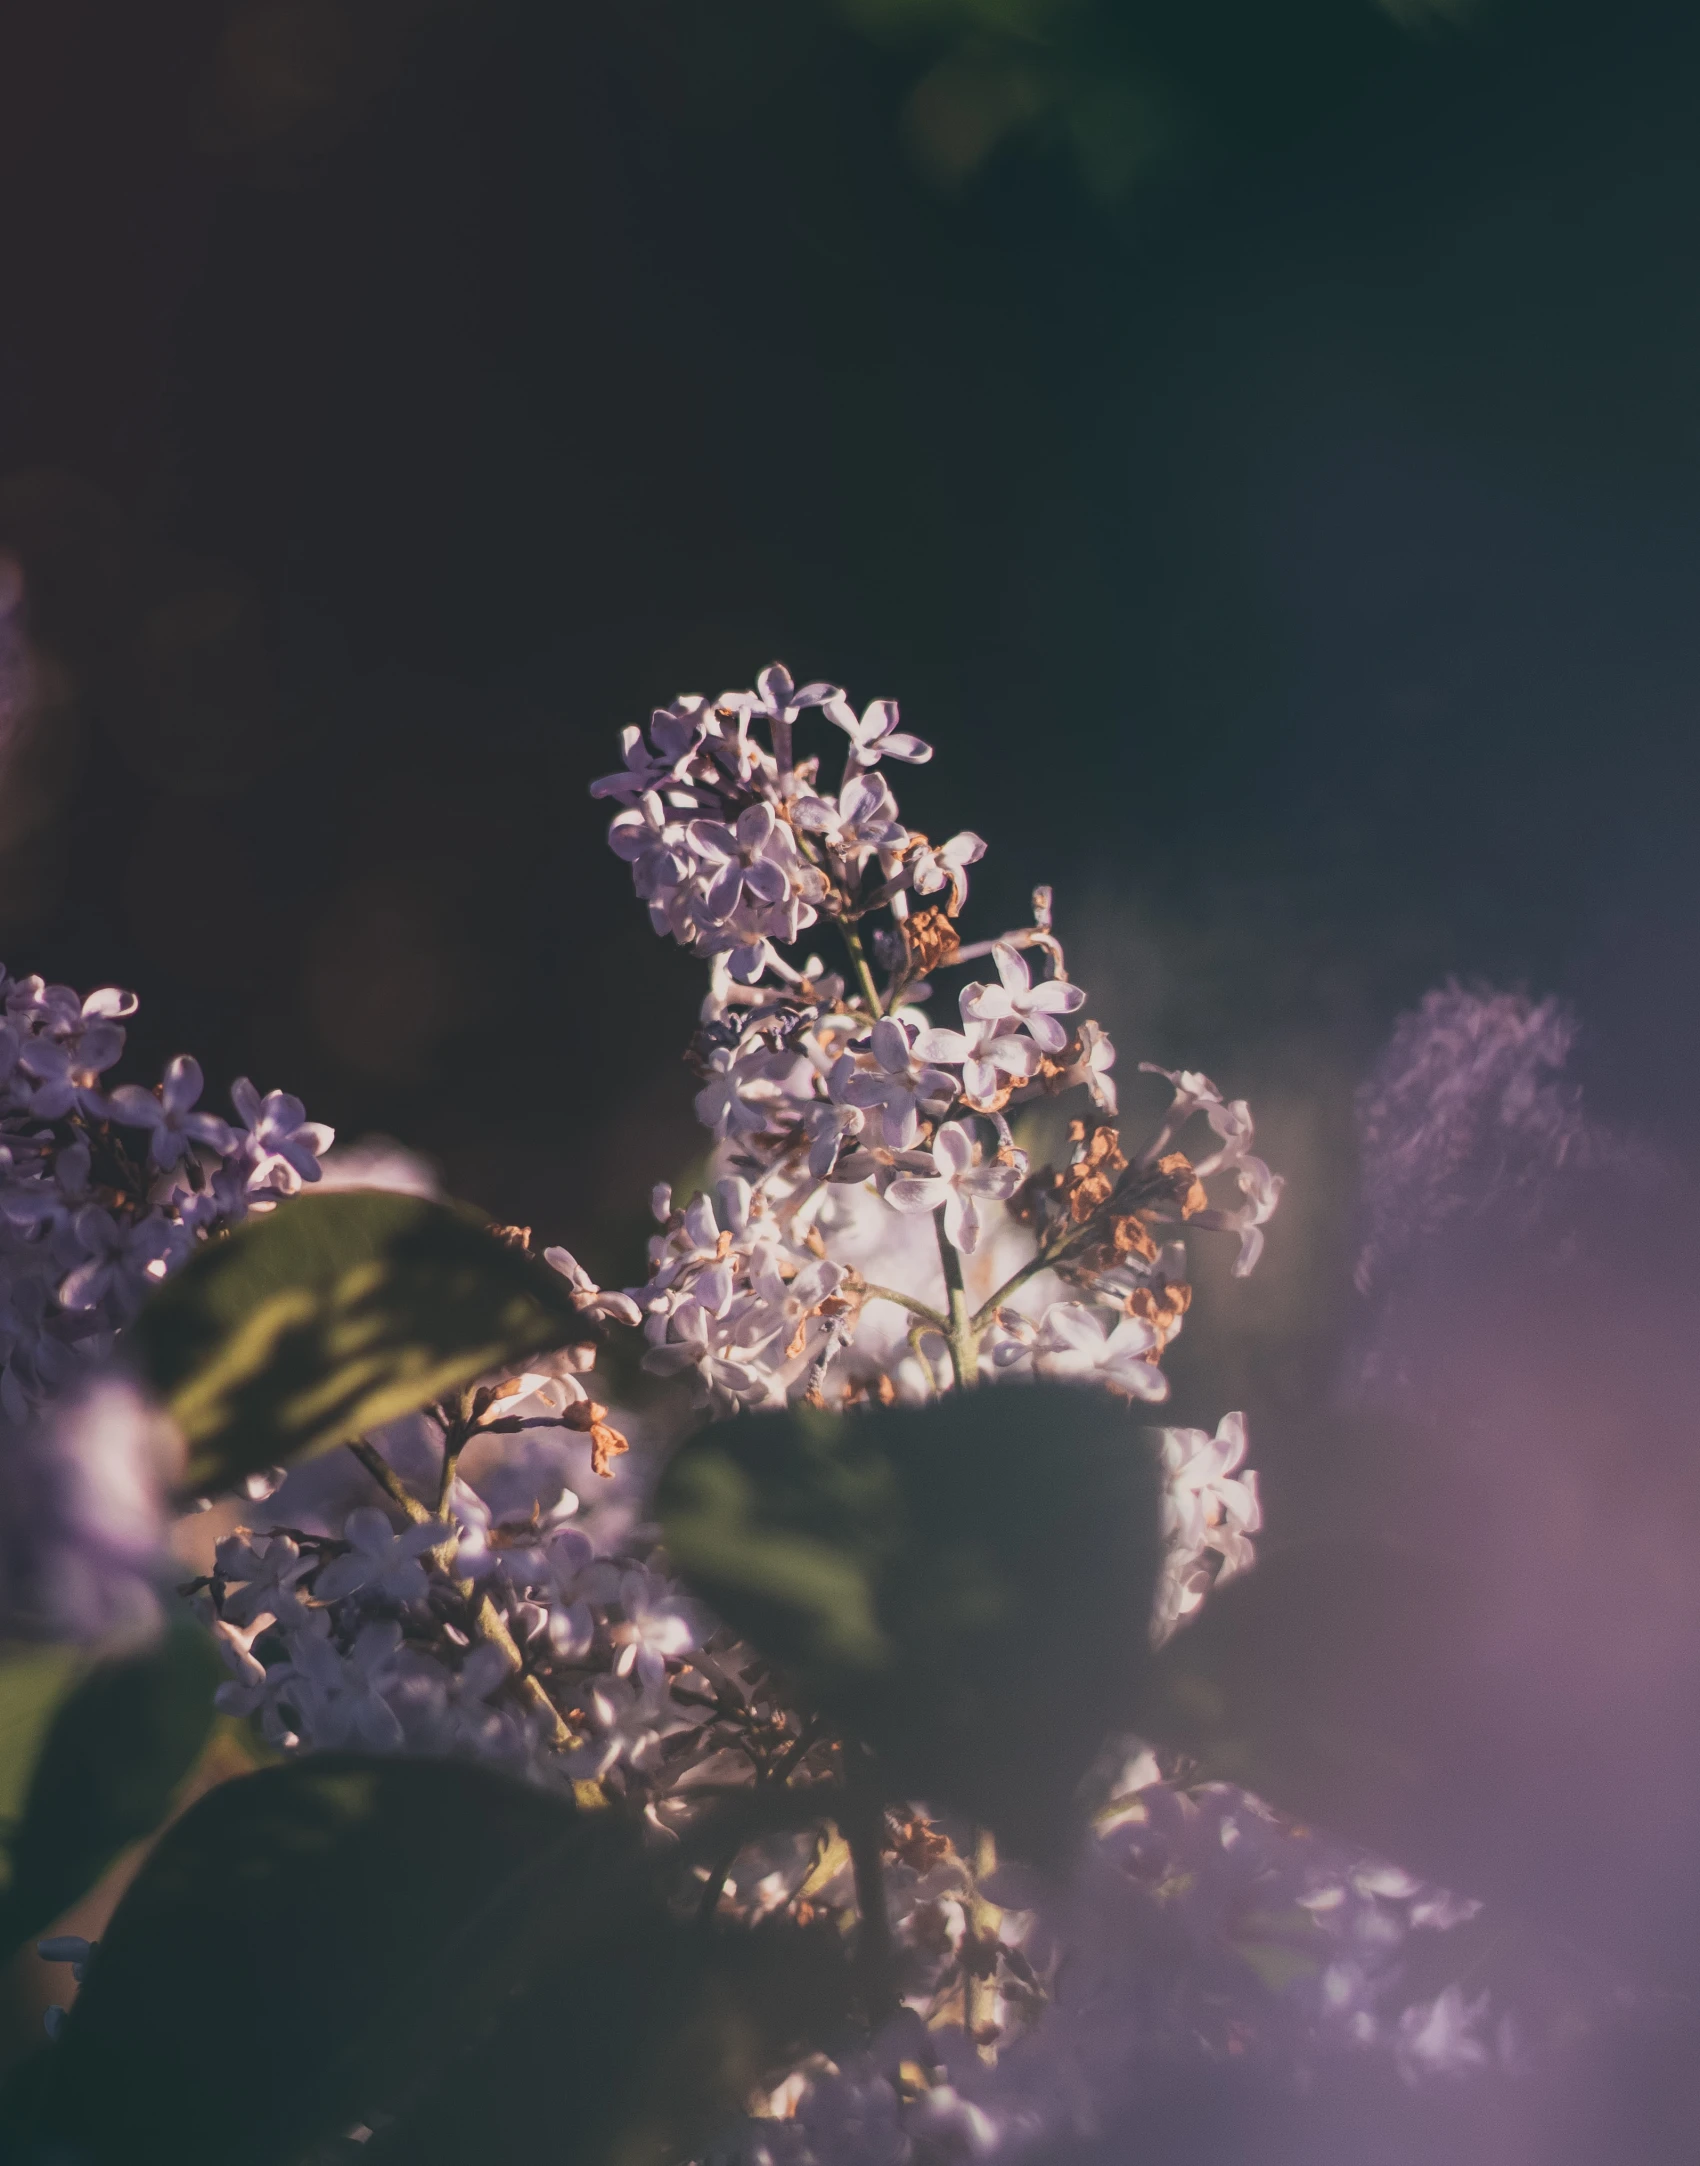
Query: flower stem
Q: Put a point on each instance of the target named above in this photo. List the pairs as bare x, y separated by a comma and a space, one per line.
863, 1820
1030, 1270
906, 1301
488, 1621
859, 963
962, 1335
390, 1482
844, 920
979, 1993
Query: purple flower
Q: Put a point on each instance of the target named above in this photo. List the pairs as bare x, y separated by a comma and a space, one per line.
653, 846
861, 823
176, 1127
986, 1051
674, 735
947, 866
82, 1519
1018, 1000
888, 1077
751, 858
1076, 1343
120, 1260
1261, 1191
286, 1146
380, 1561
876, 736
961, 1185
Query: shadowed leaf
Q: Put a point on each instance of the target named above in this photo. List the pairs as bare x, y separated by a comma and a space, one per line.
116, 1744
968, 1585
425, 1947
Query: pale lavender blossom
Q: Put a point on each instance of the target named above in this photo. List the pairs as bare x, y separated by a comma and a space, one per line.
860, 823
284, 1145
1018, 1000
875, 735
1076, 1343
176, 1127
960, 1184
946, 867
888, 1076
381, 1562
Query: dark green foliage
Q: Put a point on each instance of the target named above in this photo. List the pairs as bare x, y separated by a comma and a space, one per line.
966, 1586
109, 1756
274, 1948
331, 1315
426, 1947
638, 2037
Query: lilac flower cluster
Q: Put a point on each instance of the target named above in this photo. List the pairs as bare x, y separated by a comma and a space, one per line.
897, 1208
877, 1226
103, 1191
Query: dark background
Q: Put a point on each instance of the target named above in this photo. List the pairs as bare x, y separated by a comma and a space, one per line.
1259, 444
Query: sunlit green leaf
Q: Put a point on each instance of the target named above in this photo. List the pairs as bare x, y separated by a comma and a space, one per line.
119, 1739
332, 1314
967, 1586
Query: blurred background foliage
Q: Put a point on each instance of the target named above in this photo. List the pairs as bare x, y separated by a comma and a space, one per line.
1257, 442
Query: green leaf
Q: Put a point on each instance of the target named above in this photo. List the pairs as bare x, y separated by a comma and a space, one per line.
424, 1946
967, 1586
264, 1954
653, 2033
332, 1314
33, 1682
114, 1748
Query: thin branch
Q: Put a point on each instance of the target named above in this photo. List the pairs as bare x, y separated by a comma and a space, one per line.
916, 1333
862, 1816
906, 1301
391, 1483
488, 1621
961, 1335
1029, 1270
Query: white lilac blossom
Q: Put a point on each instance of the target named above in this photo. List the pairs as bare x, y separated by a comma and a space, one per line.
820, 1088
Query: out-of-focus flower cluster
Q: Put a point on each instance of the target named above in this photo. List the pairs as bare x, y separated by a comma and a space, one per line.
103, 1191
1200, 1931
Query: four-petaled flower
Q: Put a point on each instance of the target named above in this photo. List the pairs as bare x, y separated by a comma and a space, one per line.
1207, 1503
754, 858
1078, 1343
960, 1184
285, 1144
1018, 1000
381, 1561
176, 1127
861, 822
888, 1077
876, 735
931, 869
